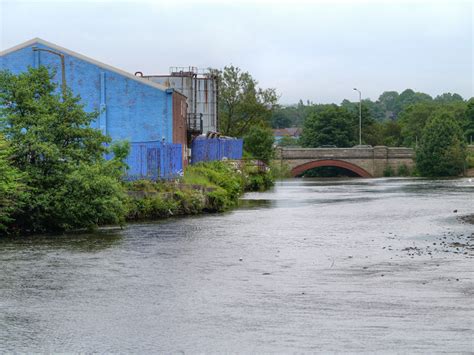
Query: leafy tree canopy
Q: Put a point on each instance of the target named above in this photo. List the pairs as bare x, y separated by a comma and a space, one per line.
12, 190
259, 143
333, 125
242, 104
71, 185
442, 150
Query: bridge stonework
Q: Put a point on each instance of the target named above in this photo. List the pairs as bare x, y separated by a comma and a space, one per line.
365, 162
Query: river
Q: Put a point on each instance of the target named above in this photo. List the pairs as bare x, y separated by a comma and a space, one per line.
350, 265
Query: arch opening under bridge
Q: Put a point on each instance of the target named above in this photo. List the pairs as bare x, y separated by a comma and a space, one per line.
300, 169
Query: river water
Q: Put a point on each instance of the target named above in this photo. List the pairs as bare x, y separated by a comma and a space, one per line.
350, 265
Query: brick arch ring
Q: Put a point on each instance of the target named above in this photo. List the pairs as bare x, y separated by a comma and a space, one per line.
300, 169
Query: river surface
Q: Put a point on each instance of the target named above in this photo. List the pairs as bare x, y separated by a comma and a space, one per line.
345, 265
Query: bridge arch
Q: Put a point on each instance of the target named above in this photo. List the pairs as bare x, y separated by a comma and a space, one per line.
300, 169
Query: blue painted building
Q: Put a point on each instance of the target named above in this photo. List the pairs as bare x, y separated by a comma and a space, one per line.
131, 108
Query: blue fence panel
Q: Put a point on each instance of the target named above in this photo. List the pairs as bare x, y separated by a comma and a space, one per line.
153, 161
215, 149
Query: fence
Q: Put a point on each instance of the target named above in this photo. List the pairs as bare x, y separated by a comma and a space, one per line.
207, 149
154, 161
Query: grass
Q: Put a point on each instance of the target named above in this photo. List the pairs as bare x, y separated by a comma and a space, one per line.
205, 187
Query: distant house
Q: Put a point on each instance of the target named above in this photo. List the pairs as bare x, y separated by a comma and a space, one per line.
292, 132
131, 108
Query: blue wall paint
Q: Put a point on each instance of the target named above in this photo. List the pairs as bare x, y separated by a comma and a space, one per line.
130, 110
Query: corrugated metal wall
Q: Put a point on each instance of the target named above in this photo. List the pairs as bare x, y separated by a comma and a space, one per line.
215, 149
154, 161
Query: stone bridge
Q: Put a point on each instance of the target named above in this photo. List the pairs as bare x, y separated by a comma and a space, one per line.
365, 162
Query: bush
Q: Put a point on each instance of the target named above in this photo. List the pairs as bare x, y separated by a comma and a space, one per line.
442, 150
61, 157
470, 161
388, 171
259, 143
12, 190
279, 169
403, 170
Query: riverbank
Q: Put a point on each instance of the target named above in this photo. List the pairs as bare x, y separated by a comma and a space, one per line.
205, 188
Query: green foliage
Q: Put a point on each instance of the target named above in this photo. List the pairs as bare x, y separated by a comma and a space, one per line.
391, 133
470, 160
469, 121
403, 170
288, 141
442, 150
190, 201
151, 207
242, 105
90, 195
331, 126
70, 183
279, 169
388, 171
219, 201
12, 190
290, 116
281, 118
259, 143
415, 117
449, 98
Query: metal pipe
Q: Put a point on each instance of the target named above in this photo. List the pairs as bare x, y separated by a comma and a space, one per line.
63, 66
360, 116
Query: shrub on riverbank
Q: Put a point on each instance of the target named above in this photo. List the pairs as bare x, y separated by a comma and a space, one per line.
442, 150
12, 190
205, 187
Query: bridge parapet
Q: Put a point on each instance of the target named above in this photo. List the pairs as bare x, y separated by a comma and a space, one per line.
373, 160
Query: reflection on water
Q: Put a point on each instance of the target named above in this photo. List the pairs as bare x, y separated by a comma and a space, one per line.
79, 242
314, 265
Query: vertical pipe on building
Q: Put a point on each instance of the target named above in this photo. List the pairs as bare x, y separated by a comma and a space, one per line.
103, 105
36, 59
216, 81
195, 92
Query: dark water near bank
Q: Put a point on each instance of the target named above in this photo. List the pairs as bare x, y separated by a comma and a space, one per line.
379, 265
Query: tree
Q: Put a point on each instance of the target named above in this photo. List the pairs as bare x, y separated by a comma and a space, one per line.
242, 104
281, 118
442, 150
413, 120
259, 143
287, 141
71, 184
469, 121
391, 133
448, 98
333, 125
12, 190
389, 103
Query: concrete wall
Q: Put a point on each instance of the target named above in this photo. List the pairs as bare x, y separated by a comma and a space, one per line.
131, 109
373, 160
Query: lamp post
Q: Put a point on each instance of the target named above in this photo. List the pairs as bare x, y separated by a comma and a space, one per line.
63, 67
360, 115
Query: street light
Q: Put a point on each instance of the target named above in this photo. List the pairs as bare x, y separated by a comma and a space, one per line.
63, 66
360, 115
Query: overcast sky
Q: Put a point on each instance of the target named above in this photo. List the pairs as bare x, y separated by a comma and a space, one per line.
307, 50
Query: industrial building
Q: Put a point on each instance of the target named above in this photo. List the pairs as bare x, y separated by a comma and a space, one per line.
200, 86
160, 115
130, 108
